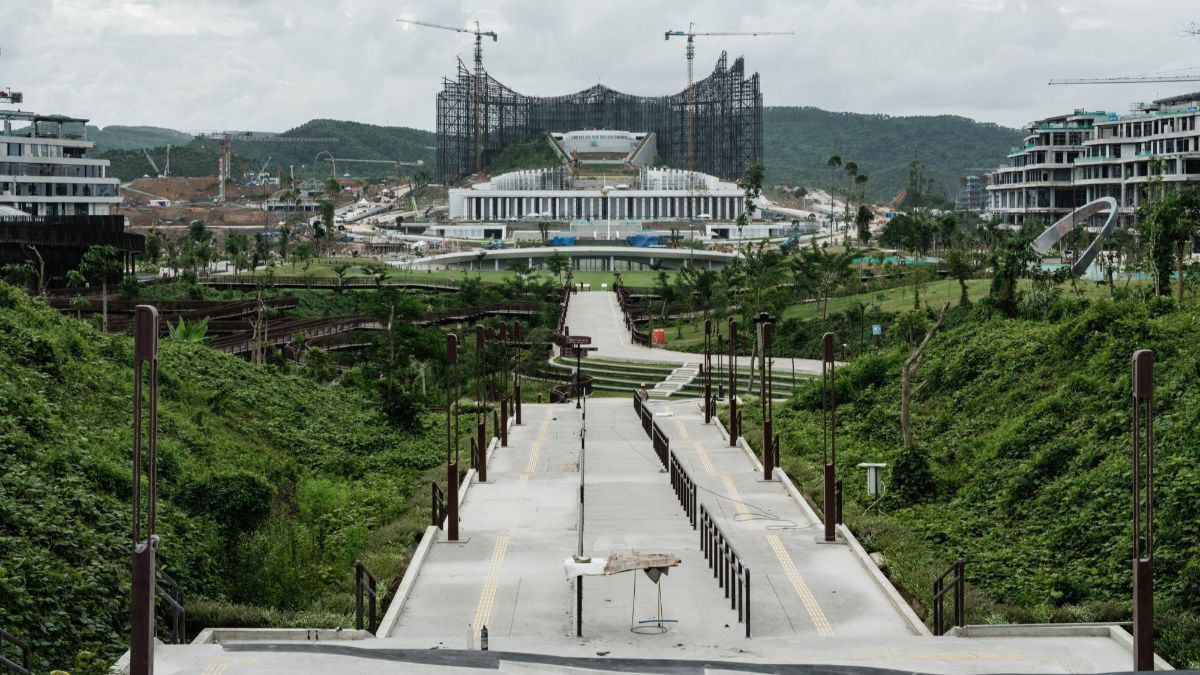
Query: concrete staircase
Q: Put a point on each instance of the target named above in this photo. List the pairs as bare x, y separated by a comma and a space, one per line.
679, 378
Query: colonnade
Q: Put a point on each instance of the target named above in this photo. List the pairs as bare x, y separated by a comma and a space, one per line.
621, 207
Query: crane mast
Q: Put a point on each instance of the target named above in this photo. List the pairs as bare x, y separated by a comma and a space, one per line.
691, 34
225, 143
479, 35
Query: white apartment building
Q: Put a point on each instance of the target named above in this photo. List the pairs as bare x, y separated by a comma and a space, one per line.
47, 169
1070, 160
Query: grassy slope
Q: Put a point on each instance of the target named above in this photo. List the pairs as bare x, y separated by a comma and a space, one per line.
305, 479
1026, 423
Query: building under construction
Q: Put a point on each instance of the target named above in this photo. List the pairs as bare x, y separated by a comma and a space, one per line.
728, 120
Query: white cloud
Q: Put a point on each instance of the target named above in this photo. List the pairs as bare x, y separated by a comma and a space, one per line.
273, 64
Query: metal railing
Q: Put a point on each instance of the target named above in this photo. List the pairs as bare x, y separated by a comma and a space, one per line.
437, 507
685, 489
731, 574
364, 589
172, 596
941, 587
662, 445
7, 665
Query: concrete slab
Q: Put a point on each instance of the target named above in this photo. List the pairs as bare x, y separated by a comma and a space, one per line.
812, 604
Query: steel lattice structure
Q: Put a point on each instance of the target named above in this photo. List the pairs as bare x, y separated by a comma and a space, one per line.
729, 134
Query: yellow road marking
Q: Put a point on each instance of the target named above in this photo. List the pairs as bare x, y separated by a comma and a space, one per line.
708, 467
483, 613
806, 597
682, 431
734, 494
216, 669
536, 450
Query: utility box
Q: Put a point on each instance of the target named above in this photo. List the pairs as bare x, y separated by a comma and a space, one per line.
659, 336
874, 477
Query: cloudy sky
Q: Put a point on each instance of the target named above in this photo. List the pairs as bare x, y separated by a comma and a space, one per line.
273, 64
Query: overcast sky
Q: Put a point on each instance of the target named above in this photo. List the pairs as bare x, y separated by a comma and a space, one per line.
273, 64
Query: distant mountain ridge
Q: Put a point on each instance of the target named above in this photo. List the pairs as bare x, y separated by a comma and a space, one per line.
191, 156
117, 137
798, 142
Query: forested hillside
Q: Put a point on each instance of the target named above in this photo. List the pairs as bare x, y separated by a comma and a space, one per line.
118, 137
799, 141
354, 141
270, 487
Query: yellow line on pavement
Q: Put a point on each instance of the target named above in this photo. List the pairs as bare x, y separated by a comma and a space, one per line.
682, 431
483, 613
810, 603
536, 450
734, 494
708, 467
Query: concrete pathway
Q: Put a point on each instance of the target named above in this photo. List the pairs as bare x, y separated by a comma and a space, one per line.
598, 314
679, 378
812, 603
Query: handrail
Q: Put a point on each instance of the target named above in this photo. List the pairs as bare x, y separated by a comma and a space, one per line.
437, 508
172, 595
732, 575
25, 667
662, 445
364, 585
685, 489
940, 589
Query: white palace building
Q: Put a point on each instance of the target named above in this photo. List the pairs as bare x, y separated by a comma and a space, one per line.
652, 194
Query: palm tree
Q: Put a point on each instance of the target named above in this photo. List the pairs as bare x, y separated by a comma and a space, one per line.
834, 162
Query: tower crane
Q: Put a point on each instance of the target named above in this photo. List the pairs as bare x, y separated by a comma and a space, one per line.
691, 34
479, 35
334, 160
1125, 80
225, 143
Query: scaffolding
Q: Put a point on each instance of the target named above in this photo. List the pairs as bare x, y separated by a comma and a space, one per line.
728, 118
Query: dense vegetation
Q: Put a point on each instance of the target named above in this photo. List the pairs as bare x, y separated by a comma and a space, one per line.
270, 487
799, 141
1021, 461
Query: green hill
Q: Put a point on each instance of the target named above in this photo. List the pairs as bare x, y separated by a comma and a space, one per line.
354, 141
799, 141
270, 487
118, 137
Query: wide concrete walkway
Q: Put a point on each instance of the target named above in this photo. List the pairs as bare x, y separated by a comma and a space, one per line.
598, 314
811, 603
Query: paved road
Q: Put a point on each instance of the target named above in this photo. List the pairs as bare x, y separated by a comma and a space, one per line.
598, 315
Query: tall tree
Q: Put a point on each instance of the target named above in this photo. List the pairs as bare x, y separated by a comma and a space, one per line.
834, 163
100, 263
862, 221
751, 184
